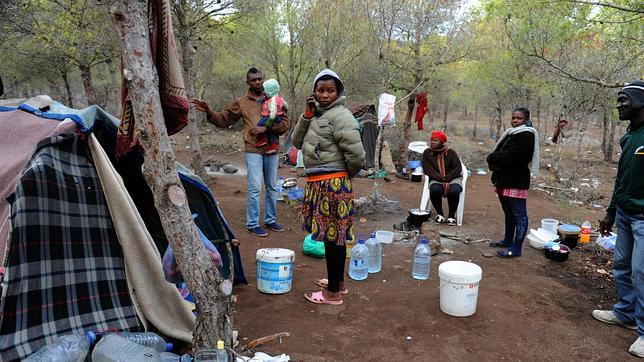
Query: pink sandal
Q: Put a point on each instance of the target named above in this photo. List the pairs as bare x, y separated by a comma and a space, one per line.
319, 298
324, 283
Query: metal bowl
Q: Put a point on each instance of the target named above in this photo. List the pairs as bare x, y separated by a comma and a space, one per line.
289, 183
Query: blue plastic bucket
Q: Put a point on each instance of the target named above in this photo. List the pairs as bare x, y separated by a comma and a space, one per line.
275, 270
413, 164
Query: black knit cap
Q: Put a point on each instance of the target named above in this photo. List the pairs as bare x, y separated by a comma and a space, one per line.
635, 92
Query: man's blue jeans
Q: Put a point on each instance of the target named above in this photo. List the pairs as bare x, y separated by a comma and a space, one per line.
261, 168
516, 222
628, 269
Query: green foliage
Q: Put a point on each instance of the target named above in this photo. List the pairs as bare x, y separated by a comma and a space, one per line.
45, 39
552, 56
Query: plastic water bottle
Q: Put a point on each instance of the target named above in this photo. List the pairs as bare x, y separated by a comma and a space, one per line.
171, 357
375, 254
280, 189
114, 348
70, 347
222, 354
358, 262
148, 339
586, 230
422, 255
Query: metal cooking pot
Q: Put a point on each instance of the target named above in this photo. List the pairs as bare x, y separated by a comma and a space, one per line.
417, 217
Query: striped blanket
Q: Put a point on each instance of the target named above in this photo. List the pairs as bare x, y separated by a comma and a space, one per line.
65, 271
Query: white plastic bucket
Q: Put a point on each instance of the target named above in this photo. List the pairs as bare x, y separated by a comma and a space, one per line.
459, 287
275, 270
550, 225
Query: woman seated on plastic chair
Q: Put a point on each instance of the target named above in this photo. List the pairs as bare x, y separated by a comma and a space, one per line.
443, 167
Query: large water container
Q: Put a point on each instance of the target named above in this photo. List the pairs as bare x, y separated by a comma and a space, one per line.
275, 270
171, 357
70, 347
222, 354
148, 339
114, 348
422, 260
358, 269
375, 254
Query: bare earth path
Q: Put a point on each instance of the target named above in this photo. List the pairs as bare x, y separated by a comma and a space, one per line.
529, 308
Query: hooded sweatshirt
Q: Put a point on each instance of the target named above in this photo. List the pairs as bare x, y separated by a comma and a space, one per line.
330, 141
629, 184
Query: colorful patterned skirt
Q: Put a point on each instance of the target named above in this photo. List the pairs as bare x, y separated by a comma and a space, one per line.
328, 210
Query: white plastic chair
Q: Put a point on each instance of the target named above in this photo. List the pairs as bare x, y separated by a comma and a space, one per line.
424, 199
420, 147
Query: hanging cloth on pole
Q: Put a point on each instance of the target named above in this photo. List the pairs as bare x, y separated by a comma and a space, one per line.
421, 99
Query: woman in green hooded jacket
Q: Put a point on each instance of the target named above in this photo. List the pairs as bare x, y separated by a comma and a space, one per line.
329, 138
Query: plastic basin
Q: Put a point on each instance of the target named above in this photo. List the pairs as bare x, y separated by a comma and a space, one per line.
384, 236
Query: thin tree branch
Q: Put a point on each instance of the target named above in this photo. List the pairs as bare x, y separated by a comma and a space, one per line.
610, 5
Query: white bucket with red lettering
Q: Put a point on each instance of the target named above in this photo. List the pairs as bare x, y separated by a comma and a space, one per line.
459, 287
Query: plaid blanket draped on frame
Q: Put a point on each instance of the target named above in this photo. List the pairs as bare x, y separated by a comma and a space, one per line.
65, 267
171, 87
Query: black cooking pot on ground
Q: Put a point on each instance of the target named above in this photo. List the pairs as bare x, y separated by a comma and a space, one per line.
416, 177
417, 217
558, 253
570, 234
570, 240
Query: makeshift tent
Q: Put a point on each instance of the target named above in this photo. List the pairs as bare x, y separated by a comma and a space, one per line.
81, 239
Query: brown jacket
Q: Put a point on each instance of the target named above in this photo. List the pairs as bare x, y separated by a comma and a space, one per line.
248, 108
452, 165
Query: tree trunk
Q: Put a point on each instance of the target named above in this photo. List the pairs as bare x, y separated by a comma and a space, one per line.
605, 131
293, 108
608, 155
538, 125
187, 53
116, 87
86, 75
476, 119
445, 109
211, 292
406, 130
379, 142
68, 90
499, 121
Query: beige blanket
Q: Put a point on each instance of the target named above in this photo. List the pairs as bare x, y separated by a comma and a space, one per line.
157, 300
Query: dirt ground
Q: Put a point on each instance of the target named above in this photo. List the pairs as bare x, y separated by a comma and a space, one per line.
529, 308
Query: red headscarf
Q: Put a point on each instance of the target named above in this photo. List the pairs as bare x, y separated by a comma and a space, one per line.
440, 135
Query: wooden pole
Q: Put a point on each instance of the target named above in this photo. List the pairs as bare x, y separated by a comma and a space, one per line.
212, 293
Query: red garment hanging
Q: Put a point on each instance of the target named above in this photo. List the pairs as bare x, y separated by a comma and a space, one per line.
421, 99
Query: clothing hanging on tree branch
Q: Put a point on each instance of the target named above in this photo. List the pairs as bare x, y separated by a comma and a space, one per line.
561, 124
421, 99
174, 101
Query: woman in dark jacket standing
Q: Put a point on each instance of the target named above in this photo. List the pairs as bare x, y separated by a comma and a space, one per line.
443, 167
515, 157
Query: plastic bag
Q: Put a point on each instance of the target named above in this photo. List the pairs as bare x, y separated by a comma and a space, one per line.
171, 268
386, 105
607, 242
312, 247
